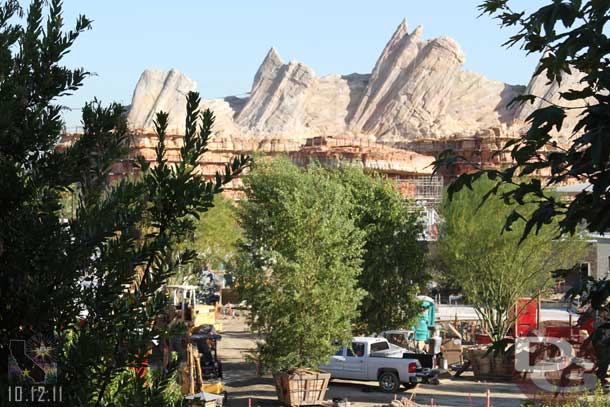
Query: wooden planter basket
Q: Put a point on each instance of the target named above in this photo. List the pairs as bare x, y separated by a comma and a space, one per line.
301, 387
490, 368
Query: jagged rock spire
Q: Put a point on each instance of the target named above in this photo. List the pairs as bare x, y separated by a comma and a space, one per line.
416, 89
268, 68
277, 96
158, 90
397, 55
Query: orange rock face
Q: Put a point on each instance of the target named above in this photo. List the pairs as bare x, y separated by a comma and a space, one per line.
402, 165
365, 153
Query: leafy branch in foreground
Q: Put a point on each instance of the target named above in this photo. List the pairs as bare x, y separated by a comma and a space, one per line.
88, 277
124, 241
572, 37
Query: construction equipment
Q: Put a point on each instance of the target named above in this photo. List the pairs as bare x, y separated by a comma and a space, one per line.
200, 371
197, 374
189, 311
208, 353
191, 375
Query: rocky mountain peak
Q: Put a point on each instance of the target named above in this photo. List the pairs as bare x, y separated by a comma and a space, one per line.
158, 90
268, 68
417, 89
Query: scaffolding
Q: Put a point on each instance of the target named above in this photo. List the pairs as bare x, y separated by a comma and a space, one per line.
426, 193
429, 189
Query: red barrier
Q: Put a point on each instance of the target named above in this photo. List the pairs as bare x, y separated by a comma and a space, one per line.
526, 310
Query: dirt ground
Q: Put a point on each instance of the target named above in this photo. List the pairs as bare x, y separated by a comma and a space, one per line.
242, 382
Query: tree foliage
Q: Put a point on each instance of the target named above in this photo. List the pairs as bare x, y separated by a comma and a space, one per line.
299, 266
572, 37
299, 222
393, 260
217, 234
107, 262
492, 269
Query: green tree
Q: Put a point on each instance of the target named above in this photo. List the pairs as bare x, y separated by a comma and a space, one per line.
109, 260
215, 240
299, 266
217, 234
572, 36
394, 260
492, 269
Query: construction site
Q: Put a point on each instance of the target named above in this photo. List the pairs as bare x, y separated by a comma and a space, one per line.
406, 227
453, 367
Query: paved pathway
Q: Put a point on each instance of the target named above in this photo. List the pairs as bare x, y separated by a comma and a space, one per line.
243, 383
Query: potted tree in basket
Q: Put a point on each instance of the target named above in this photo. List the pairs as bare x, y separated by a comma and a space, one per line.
494, 268
298, 271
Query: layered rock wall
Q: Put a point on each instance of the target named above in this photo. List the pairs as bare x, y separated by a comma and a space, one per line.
417, 98
365, 153
417, 89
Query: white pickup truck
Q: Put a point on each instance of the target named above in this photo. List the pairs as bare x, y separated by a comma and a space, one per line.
369, 359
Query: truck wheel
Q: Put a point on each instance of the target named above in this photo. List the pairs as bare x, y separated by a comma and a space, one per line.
389, 383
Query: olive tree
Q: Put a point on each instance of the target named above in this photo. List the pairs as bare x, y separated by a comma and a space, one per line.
394, 268
489, 264
299, 265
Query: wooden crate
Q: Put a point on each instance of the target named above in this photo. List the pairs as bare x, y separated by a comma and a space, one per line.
301, 387
489, 367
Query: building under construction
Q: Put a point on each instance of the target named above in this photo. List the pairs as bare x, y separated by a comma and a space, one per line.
411, 171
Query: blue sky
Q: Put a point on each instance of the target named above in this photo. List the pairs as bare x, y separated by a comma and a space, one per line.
221, 44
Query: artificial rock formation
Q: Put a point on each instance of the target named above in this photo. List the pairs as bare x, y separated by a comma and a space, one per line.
279, 94
416, 98
419, 94
550, 92
363, 152
160, 91
416, 90
397, 55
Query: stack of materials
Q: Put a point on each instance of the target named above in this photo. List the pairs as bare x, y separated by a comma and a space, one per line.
406, 402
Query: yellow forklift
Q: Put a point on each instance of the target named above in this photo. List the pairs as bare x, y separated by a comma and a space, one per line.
188, 310
200, 370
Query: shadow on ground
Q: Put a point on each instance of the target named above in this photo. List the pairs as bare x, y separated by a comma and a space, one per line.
242, 383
